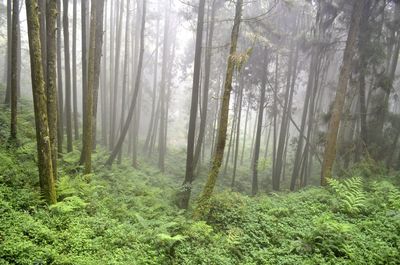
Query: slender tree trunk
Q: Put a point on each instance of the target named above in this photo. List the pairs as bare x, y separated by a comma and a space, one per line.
74, 66
345, 71
67, 77
128, 120
207, 70
116, 72
60, 103
154, 93
84, 35
104, 90
254, 183
7, 100
97, 65
42, 21
161, 138
136, 120
245, 133
236, 154
39, 96
202, 206
190, 163
14, 70
51, 20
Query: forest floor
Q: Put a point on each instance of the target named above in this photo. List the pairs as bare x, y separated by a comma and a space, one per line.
124, 215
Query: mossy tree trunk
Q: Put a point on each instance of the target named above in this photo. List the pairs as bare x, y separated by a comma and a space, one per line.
218, 155
51, 84
39, 99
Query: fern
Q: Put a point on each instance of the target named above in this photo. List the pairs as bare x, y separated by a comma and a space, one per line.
350, 194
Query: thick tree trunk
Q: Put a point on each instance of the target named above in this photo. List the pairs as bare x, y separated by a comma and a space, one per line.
345, 71
39, 97
202, 206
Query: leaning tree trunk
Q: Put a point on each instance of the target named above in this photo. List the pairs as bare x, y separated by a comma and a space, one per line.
345, 71
203, 203
39, 99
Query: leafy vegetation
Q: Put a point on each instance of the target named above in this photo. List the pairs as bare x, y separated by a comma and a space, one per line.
128, 216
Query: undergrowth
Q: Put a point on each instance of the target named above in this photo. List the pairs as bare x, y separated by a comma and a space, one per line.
127, 216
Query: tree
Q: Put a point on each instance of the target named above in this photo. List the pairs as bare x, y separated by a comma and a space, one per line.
67, 76
345, 71
14, 70
187, 183
218, 155
39, 100
51, 80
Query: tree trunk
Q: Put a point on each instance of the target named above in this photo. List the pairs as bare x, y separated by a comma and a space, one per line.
236, 154
190, 163
345, 71
51, 20
154, 93
60, 103
161, 138
97, 65
116, 73
74, 66
7, 100
39, 96
218, 156
14, 70
254, 183
67, 77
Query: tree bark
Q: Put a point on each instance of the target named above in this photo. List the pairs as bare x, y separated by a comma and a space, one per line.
345, 71
51, 20
67, 77
39, 96
14, 70
203, 206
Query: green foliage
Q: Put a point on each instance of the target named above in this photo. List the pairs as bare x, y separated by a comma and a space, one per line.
127, 216
349, 193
